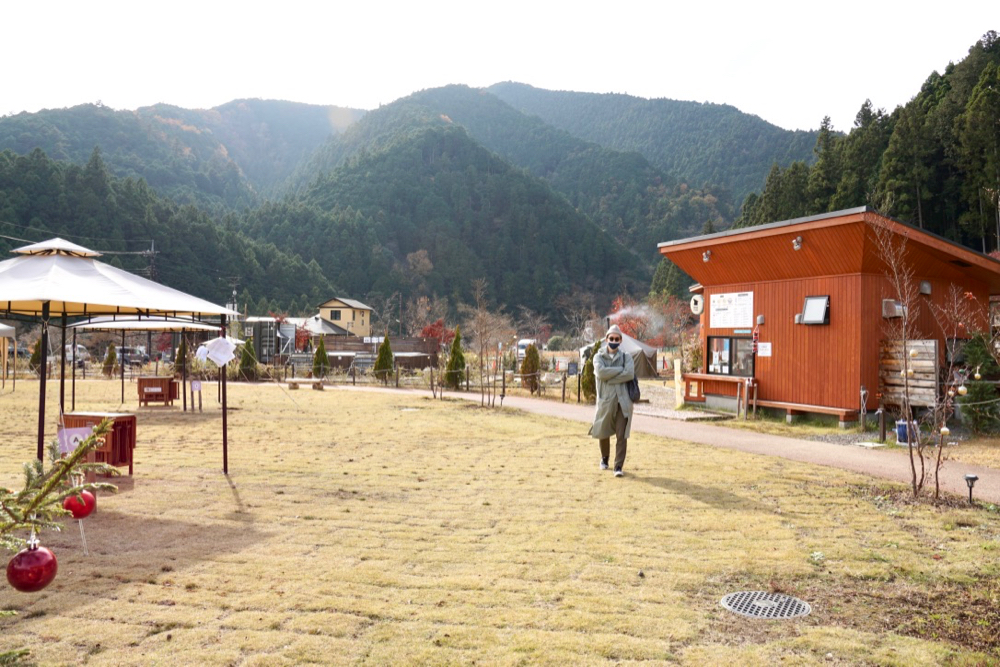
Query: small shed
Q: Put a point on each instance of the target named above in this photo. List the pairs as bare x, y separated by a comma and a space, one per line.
814, 294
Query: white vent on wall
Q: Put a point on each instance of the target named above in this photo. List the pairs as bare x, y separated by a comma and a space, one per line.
892, 308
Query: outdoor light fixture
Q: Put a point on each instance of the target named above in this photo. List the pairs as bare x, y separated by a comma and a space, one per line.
797, 243
707, 255
971, 481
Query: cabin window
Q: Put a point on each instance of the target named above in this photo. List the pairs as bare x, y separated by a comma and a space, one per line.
730, 356
334, 314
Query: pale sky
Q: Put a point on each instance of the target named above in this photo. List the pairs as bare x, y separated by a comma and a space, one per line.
791, 63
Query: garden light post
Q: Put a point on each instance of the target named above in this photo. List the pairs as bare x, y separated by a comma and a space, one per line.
971, 481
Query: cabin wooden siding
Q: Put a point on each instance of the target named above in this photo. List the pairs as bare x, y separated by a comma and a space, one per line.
809, 364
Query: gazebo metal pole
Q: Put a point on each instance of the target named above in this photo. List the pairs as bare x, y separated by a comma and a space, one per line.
44, 347
121, 364
73, 404
62, 368
225, 422
184, 370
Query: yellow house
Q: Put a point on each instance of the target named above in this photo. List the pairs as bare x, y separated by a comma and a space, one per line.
352, 316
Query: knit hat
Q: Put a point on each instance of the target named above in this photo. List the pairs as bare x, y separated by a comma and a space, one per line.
613, 330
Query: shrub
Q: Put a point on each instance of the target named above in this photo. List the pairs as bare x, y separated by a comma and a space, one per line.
321, 362
35, 362
588, 383
456, 362
559, 344
181, 360
383, 362
529, 369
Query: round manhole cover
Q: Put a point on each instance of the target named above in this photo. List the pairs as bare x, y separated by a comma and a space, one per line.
761, 604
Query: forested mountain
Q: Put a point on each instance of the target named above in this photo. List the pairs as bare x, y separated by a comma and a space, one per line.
714, 144
934, 162
41, 198
432, 211
224, 157
637, 203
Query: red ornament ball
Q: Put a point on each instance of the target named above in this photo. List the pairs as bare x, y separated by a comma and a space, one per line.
31, 570
81, 510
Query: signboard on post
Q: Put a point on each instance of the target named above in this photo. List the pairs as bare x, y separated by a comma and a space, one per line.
572, 368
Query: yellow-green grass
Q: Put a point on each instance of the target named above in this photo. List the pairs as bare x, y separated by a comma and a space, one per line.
370, 528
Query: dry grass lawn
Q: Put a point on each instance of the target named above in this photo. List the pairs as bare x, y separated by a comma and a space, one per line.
373, 528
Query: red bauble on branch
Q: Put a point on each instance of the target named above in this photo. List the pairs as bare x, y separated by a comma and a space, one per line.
80, 509
32, 569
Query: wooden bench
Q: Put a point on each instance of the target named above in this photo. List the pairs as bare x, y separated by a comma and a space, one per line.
792, 410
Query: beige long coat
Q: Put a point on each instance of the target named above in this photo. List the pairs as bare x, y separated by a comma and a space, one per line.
611, 372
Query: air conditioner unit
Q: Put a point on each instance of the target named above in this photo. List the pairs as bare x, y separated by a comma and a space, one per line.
892, 308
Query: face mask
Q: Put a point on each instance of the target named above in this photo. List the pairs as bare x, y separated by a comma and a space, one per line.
613, 346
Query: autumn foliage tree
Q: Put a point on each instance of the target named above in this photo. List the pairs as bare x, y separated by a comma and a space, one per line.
437, 329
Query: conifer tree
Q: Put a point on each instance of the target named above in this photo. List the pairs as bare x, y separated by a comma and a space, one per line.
110, 361
529, 369
182, 357
456, 362
588, 383
35, 362
321, 362
383, 363
248, 361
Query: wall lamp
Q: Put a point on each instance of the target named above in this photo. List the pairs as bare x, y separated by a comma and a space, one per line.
971, 481
707, 255
797, 243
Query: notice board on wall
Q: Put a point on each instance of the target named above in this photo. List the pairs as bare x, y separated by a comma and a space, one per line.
730, 310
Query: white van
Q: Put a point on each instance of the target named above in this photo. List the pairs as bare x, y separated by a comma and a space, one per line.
522, 347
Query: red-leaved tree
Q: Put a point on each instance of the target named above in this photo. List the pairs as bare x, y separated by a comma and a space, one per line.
438, 330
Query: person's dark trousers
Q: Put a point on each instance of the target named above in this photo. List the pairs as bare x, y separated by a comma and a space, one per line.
621, 444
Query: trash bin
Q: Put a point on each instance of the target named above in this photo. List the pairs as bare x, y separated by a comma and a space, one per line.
901, 434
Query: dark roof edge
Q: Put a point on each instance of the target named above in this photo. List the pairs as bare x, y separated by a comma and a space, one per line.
770, 225
824, 216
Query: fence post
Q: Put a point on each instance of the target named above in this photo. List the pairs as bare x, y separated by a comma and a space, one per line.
354, 376
564, 388
466, 377
579, 375
433, 394
397, 376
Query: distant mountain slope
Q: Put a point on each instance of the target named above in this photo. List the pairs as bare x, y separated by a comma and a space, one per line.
433, 210
637, 203
225, 156
705, 143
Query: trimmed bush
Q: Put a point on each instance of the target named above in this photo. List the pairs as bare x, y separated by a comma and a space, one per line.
588, 383
110, 361
321, 362
529, 369
248, 361
383, 363
456, 362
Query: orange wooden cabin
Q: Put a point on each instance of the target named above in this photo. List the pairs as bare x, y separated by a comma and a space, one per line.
759, 278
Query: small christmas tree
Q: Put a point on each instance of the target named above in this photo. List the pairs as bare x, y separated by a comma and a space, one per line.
248, 361
35, 362
180, 362
456, 362
383, 363
529, 369
321, 362
588, 383
110, 361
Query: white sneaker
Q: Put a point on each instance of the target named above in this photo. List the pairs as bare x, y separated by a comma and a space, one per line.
604, 464
619, 473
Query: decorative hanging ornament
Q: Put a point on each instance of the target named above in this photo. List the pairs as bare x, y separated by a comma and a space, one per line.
902, 374
32, 568
978, 376
962, 391
951, 393
80, 509
945, 431
909, 372
913, 354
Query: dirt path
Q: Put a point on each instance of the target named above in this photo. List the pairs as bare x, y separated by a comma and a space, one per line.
881, 464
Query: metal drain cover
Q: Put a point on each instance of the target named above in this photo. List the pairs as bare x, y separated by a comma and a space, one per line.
761, 604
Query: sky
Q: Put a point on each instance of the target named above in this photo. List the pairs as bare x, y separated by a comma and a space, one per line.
791, 63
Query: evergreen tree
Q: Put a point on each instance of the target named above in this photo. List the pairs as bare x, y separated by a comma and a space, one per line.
825, 174
35, 361
668, 280
979, 406
181, 360
588, 383
248, 361
321, 362
383, 363
530, 368
456, 362
110, 361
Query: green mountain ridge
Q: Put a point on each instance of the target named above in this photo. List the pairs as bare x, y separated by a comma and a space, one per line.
706, 143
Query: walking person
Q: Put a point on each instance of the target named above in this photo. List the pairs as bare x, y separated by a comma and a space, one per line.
613, 368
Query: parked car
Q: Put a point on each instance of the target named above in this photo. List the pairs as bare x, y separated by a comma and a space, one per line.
132, 356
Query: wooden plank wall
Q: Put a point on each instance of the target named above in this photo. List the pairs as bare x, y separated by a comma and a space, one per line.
923, 384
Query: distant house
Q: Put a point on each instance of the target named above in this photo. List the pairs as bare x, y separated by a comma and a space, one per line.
353, 317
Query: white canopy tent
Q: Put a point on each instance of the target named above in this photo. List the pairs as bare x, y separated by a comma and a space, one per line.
59, 278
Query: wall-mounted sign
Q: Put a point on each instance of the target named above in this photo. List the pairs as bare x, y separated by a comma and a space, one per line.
763, 349
730, 310
697, 304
